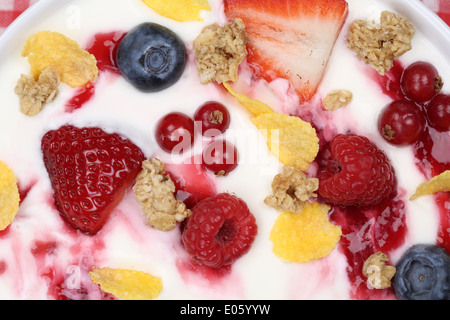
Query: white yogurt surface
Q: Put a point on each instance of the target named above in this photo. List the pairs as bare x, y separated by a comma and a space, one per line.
119, 107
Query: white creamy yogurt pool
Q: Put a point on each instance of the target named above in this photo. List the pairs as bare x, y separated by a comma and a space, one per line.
118, 107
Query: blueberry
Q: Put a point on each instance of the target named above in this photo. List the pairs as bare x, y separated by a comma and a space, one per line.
423, 273
151, 57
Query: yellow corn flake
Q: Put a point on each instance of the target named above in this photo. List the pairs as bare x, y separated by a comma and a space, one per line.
127, 284
179, 10
254, 106
76, 66
305, 236
439, 183
9, 196
289, 138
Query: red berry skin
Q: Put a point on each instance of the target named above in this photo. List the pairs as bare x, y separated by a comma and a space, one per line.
220, 230
401, 122
220, 157
214, 117
89, 171
420, 82
175, 132
438, 112
354, 172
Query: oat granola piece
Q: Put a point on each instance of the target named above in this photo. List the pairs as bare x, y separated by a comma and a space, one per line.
220, 51
376, 271
337, 99
380, 44
292, 190
155, 192
35, 94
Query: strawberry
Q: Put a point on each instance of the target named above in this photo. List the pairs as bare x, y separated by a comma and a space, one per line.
290, 39
89, 171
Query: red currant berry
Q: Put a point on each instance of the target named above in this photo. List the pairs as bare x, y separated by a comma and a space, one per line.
175, 132
401, 122
438, 112
213, 115
220, 157
420, 82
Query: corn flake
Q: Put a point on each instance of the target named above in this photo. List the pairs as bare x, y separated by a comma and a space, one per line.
305, 236
289, 138
127, 284
9, 196
179, 10
439, 183
76, 66
254, 106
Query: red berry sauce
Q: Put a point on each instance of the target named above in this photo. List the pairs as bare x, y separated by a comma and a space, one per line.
104, 47
192, 183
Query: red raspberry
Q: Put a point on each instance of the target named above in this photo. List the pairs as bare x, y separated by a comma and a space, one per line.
354, 172
220, 230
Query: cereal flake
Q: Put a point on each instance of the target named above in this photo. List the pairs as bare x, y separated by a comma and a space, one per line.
292, 190
9, 196
305, 236
380, 44
76, 66
254, 106
155, 192
293, 141
127, 284
439, 183
220, 51
179, 10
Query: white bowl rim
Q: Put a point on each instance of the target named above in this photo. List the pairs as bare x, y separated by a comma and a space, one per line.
422, 16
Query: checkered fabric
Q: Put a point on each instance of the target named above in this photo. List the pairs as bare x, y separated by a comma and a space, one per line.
11, 9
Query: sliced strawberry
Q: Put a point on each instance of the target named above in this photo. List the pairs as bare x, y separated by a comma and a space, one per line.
291, 39
89, 170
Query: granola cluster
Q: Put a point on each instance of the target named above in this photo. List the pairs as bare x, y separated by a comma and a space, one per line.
34, 94
220, 51
381, 44
292, 190
337, 99
376, 271
155, 192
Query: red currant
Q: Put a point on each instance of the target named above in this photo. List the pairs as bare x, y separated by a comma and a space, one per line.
213, 115
438, 112
420, 82
175, 132
401, 122
220, 157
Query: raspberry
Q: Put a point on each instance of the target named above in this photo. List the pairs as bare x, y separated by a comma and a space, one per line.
354, 172
220, 230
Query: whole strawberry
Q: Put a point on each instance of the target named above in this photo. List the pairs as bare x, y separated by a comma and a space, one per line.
89, 171
220, 230
354, 172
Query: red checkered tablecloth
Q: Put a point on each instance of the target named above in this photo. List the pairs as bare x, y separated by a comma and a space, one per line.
11, 9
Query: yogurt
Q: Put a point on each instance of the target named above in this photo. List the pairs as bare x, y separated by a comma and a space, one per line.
44, 258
